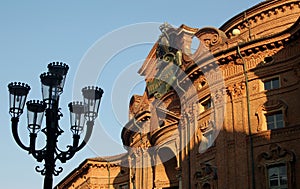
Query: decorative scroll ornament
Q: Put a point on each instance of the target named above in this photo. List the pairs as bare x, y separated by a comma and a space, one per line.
276, 153
206, 176
211, 36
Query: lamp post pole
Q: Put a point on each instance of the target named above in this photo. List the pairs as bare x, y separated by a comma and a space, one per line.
82, 117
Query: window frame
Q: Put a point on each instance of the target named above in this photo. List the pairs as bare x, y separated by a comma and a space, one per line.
277, 165
202, 105
207, 142
271, 79
275, 156
276, 122
270, 107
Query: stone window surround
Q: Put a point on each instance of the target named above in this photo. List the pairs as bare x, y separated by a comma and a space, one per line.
202, 104
268, 108
262, 87
276, 155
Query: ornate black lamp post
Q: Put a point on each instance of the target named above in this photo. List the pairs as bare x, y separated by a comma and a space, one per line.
81, 114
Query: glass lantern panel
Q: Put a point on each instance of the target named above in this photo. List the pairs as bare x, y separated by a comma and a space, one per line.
34, 121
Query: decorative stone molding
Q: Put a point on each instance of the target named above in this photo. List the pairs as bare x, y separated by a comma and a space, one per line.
138, 104
279, 12
297, 70
207, 124
275, 156
218, 96
270, 106
236, 90
206, 175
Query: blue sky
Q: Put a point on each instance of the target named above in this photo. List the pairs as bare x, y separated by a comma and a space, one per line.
116, 35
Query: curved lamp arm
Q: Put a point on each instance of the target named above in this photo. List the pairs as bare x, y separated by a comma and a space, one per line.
39, 155
14, 127
66, 155
90, 125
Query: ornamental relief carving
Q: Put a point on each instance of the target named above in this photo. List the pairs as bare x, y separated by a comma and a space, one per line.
200, 82
166, 102
290, 50
236, 90
206, 176
137, 105
276, 155
219, 96
206, 124
252, 61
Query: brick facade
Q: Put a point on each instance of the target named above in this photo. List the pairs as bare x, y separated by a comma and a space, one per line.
222, 116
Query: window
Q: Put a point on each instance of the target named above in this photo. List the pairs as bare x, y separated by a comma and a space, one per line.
274, 120
275, 169
277, 177
205, 104
271, 83
207, 140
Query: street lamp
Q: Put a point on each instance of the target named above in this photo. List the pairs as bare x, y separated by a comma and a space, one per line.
81, 114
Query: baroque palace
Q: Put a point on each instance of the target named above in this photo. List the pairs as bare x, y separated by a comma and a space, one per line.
222, 115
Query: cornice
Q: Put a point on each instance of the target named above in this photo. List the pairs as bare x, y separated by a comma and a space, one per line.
98, 162
130, 128
73, 175
255, 13
229, 55
163, 134
282, 134
144, 70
